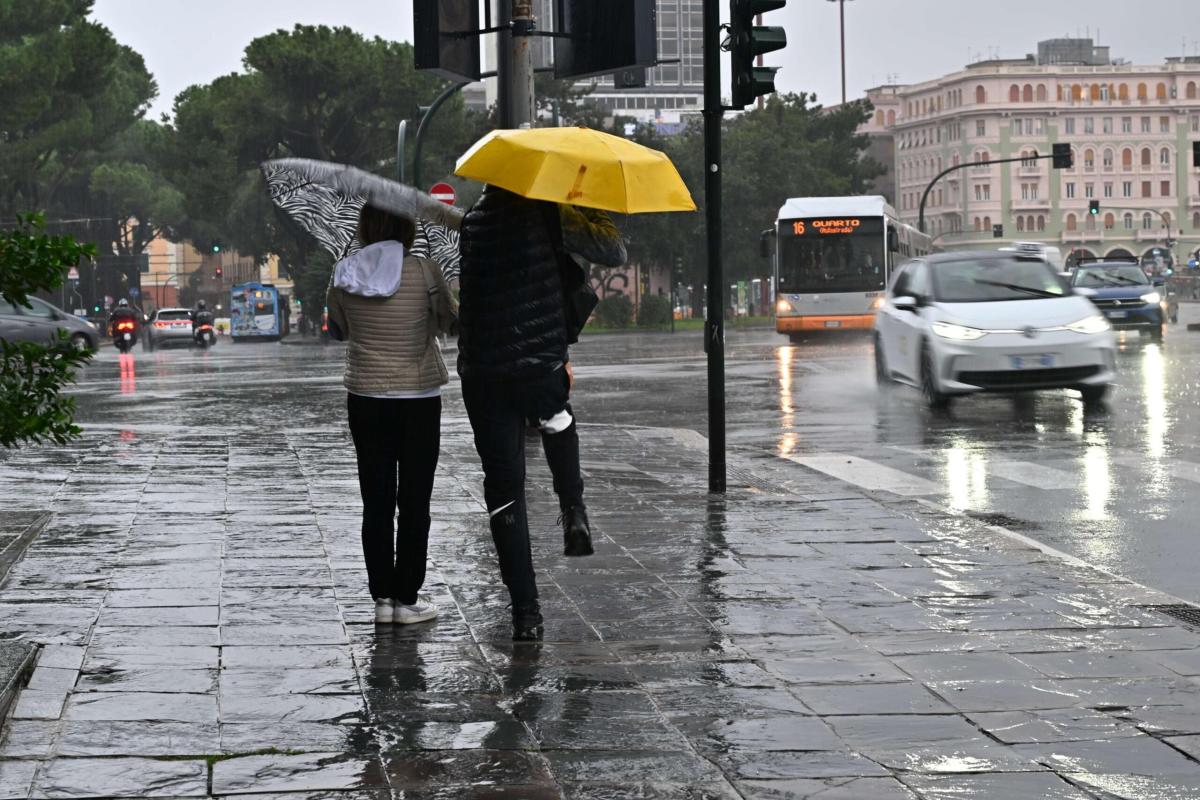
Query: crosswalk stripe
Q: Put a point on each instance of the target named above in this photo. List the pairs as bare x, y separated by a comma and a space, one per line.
1026, 472
867, 474
1185, 470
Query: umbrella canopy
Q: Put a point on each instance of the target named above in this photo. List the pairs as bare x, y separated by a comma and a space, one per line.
325, 198
579, 166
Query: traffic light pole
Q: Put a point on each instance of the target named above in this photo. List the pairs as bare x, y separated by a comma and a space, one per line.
964, 165
521, 78
714, 325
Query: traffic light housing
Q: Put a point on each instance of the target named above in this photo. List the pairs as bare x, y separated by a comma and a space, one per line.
747, 42
1094, 207
1062, 158
609, 36
997, 231
1196, 154
446, 38
216, 247
219, 271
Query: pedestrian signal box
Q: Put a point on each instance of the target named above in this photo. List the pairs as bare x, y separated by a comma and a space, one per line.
446, 38
610, 36
1062, 158
997, 231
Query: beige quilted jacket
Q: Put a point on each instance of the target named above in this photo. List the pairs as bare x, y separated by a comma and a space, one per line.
392, 344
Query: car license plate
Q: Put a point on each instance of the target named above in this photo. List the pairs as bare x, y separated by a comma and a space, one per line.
833, 323
1116, 314
1032, 362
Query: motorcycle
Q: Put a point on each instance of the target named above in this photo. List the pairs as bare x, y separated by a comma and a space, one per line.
204, 335
124, 334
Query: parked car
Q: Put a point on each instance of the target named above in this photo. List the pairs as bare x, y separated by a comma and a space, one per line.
1126, 296
957, 323
41, 323
168, 326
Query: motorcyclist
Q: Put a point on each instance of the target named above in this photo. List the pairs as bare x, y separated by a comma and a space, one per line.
201, 315
123, 311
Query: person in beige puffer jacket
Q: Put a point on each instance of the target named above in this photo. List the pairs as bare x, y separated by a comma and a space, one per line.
389, 307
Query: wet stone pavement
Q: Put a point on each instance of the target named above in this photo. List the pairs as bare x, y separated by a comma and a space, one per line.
206, 631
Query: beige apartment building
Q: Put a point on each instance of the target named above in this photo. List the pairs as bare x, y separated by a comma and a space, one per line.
1130, 128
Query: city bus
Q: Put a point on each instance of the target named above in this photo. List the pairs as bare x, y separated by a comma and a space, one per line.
833, 257
257, 312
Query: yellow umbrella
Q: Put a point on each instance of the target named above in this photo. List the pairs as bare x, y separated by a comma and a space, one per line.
579, 166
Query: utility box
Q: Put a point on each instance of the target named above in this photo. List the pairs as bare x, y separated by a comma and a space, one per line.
446, 38
604, 36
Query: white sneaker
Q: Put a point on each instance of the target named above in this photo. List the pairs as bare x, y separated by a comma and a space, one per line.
420, 611
385, 609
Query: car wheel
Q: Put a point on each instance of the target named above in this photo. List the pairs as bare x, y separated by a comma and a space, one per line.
1093, 394
882, 374
934, 397
80, 341
1156, 333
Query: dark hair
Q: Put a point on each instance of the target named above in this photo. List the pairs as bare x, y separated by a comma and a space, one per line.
377, 225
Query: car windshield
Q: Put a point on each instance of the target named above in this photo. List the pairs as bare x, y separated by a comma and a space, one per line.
981, 280
1106, 276
173, 315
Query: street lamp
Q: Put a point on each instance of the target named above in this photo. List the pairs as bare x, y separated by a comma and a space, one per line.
842, 26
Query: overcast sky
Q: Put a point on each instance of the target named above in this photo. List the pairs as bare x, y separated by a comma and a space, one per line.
186, 42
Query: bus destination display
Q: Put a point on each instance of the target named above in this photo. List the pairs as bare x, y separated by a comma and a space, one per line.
834, 226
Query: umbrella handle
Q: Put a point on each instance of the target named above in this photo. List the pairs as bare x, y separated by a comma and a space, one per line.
577, 189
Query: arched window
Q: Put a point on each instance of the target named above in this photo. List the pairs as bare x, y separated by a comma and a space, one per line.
1076, 92
1029, 223
1058, 91
1128, 221
1160, 91
891, 116
1123, 91
1041, 93
1094, 92
1142, 93
980, 97
1146, 156
879, 118
1164, 157
1089, 222
1108, 158
1071, 222
1020, 223
1089, 159
1190, 91
1041, 223
1014, 94
987, 223
1110, 222
1196, 220
1146, 221
1027, 93
978, 224
1127, 159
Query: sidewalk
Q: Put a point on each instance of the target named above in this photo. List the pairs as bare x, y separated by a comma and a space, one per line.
207, 632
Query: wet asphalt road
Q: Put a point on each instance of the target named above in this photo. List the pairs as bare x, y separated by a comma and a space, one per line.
1117, 487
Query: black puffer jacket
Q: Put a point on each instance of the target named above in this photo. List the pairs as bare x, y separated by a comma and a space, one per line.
511, 306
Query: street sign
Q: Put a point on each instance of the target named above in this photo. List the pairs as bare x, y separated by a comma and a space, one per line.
443, 192
73, 274
134, 292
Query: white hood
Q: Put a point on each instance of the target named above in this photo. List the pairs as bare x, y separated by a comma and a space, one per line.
373, 271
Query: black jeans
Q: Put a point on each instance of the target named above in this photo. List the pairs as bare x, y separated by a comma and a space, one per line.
396, 442
498, 411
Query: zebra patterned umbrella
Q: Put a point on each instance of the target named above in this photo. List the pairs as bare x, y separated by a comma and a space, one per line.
325, 200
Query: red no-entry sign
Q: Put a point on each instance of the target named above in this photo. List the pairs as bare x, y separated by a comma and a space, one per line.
443, 192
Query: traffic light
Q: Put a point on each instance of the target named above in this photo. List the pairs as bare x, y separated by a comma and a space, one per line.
219, 271
216, 247
1062, 158
997, 231
610, 36
1094, 207
446, 38
747, 42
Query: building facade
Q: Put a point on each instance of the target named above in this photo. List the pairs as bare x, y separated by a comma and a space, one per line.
1130, 128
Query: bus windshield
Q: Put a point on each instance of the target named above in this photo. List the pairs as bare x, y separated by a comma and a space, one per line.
822, 256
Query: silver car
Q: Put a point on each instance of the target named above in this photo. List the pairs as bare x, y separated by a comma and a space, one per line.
42, 322
168, 326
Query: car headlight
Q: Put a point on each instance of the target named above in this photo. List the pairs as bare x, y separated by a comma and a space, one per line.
959, 333
1153, 298
783, 307
1093, 324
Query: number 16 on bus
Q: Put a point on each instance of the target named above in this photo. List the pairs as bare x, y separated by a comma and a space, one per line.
833, 258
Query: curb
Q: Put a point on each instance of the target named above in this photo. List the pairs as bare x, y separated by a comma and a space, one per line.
11, 552
16, 665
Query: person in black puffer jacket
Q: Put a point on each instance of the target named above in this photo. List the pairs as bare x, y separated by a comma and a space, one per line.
512, 357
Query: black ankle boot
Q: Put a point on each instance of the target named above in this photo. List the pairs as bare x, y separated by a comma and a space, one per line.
527, 622
577, 533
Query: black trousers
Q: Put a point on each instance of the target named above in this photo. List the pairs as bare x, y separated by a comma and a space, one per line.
498, 411
396, 442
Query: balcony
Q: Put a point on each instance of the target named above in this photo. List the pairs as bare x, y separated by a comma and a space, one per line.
1081, 236
1194, 201
1029, 170
1030, 204
1156, 234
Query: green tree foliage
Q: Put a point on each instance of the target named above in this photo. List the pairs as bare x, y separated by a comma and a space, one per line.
312, 92
32, 376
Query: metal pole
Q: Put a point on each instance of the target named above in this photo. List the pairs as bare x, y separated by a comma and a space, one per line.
521, 79
401, 135
419, 144
842, 26
714, 326
504, 63
964, 165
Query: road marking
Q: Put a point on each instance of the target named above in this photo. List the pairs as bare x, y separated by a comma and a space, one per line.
1026, 472
1184, 470
867, 474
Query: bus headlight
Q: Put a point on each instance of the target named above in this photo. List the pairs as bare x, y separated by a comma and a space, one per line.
784, 307
959, 333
